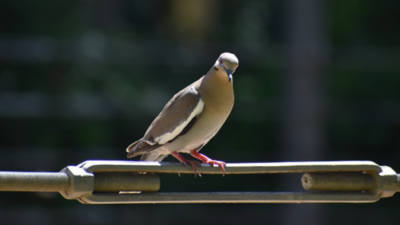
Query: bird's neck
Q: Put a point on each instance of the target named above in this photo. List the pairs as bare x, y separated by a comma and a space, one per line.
216, 86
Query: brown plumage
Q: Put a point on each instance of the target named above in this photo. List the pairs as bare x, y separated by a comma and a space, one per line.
191, 118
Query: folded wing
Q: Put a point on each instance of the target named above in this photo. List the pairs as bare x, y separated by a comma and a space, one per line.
177, 117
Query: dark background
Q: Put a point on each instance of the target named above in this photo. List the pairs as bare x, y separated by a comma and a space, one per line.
80, 80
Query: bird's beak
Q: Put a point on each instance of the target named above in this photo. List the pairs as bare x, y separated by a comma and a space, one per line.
229, 72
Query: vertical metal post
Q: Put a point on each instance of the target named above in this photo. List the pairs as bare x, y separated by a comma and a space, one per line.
303, 130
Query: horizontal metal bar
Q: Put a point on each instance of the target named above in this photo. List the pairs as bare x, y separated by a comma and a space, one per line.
231, 168
61, 181
230, 197
33, 181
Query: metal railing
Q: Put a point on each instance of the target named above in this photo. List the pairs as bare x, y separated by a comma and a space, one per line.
118, 182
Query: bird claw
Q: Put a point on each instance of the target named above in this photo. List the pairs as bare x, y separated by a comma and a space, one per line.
193, 164
205, 159
221, 165
187, 161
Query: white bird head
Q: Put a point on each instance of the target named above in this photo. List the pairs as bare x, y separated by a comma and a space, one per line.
227, 62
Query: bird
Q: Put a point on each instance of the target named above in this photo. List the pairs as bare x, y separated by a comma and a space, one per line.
191, 118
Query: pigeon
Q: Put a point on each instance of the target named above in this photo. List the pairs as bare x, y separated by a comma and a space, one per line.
191, 118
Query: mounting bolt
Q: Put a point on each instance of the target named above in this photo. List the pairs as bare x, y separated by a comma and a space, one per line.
389, 184
80, 182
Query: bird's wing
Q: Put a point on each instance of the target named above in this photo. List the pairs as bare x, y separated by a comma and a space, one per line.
177, 117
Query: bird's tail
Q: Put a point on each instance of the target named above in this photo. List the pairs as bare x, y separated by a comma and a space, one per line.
141, 147
131, 149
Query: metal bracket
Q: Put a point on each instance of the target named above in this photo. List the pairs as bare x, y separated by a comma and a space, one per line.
384, 183
123, 182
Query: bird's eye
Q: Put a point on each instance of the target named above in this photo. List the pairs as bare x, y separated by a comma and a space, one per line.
221, 61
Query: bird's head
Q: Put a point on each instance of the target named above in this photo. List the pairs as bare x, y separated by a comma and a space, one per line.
227, 62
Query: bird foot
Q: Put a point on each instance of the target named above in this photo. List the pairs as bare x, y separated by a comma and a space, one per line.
207, 160
212, 162
221, 164
185, 162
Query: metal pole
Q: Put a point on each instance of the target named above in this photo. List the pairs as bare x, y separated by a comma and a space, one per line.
304, 117
33, 181
61, 181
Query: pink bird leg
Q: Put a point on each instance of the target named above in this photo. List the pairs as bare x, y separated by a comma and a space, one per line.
205, 159
184, 161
